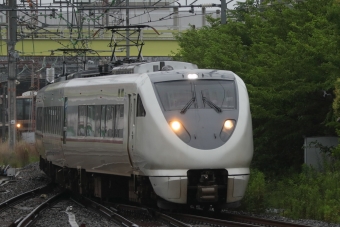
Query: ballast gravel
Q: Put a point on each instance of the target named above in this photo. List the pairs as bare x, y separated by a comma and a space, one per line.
68, 213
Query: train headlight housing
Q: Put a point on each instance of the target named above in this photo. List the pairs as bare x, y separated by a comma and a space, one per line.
180, 131
227, 129
175, 125
18, 125
192, 76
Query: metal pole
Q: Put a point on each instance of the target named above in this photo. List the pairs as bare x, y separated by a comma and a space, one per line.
203, 16
223, 12
176, 18
12, 65
127, 31
4, 111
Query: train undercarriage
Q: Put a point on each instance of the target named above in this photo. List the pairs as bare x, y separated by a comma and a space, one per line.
205, 189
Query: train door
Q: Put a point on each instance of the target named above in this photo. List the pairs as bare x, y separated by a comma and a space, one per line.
131, 127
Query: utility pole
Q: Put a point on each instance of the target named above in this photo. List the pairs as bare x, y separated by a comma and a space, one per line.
12, 74
4, 111
223, 12
127, 30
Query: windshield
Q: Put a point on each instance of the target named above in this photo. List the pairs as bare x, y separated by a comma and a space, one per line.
175, 95
216, 94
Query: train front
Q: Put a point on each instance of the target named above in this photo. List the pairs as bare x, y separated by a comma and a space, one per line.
195, 141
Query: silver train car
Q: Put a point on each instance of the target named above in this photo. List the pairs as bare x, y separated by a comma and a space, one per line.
166, 133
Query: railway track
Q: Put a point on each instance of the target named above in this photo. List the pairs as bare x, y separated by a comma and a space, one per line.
124, 215
22, 209
232, 220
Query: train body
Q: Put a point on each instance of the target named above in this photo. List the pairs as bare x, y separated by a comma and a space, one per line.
25, 121
176, 136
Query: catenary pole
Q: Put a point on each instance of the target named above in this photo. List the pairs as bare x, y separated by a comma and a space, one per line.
4, 111
223, 12
127, 30
12, 64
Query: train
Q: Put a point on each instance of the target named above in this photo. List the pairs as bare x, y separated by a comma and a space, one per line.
25, 121
163, 133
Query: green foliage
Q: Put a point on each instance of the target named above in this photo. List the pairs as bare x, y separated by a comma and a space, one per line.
287, 54
308, 195
22, 154
255, 197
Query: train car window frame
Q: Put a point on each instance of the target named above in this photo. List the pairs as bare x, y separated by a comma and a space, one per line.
81, 130
90, 120
97, 116
110, 120
119, 121
39, 119
103, 121
140, 107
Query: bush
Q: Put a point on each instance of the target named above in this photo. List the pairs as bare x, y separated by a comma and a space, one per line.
308, 195
255, 196
22, 154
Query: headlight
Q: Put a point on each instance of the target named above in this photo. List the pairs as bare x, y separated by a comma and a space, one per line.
18, 125
227, 129
192, 76
175, 125
180, 131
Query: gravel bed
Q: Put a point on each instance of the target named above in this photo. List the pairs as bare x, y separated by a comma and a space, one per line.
28, 178
24, 207
61, 213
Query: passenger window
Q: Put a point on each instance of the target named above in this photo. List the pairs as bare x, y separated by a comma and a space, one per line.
39, 119
119, 124
97, 115
90, 124
140, 108
102, 122
81, 120
109, 121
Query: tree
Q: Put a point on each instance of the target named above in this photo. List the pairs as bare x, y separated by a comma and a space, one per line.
287, 53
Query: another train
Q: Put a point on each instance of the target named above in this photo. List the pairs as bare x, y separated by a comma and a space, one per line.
25, 121
160, 132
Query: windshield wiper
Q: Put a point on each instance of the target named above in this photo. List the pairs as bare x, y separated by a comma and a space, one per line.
187, 106
211, 104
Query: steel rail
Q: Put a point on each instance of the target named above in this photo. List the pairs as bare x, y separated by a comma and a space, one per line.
22, 196
260, 221
105, 211
28, 220
217, 222
164, 217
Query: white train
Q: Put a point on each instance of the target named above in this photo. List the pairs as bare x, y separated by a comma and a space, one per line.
162, 132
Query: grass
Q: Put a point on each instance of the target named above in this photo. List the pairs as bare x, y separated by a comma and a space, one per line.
23, 154
307, 195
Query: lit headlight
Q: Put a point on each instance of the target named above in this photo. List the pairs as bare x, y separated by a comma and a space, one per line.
180, 131
192, 76
229, 124
175, 125
227, 129
18, 125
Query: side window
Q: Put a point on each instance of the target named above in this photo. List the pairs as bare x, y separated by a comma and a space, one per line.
110, 110
90, 124
119, 121
140, 108
97, 115
20, 109
39, 119
81, 120
102, 122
